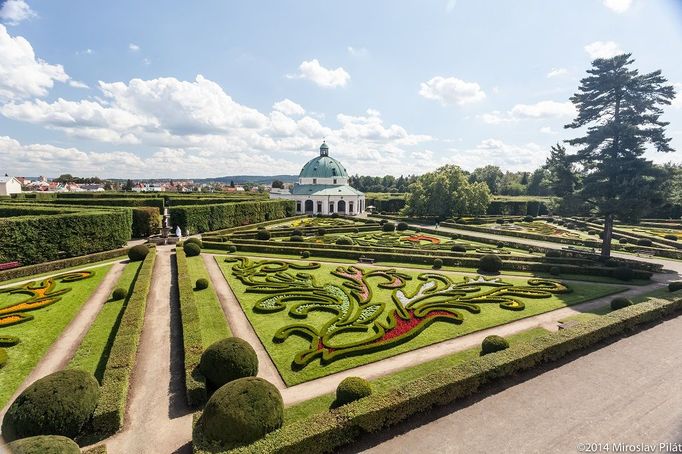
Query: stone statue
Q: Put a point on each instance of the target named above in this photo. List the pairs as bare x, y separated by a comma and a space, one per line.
178, 232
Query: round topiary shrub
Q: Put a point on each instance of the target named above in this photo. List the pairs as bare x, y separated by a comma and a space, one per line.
593, 232
321, 231
388, 227
671, 237
344, 241
492, 344
623, 273
228, 359
196, 241
296, 239
191, 249
623, 241
119, 294
620, 302
305, 254
437, 264
138, 253
401, 226
263, 235
201, 284
335, 215
555, 271
644, 242
241, 411
297, 232
675, 286
500, 245
351, 389
383, 221
57, 404
553, 254
44, 444
232, 248
499, 221
490, 263
528, 219
459, 248
356, 230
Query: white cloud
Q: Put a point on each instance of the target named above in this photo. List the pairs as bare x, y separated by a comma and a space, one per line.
146, 61
496, 152
450, 6
288, 107
87, 51
450, 90
619, 6
328, 78
133, 47
539, 110
13, 12
78, 84
357, 51
603, 49
556, 72
23, 75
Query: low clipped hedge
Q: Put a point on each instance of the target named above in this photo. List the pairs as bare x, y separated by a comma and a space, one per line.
44, 444
192, 343
675, 286
57, 404
324, 432
110, 411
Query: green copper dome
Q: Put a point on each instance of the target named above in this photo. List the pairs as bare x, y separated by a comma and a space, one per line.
323, 166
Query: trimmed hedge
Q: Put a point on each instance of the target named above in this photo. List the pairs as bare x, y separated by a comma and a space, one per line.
57, 265
195, 382
57, 404
205, 218
44, 444
110, 411
41, 238
492, 344
194, 240
146, 222
324, 432
675, 286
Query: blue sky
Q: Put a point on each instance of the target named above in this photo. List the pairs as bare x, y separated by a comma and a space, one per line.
181, 89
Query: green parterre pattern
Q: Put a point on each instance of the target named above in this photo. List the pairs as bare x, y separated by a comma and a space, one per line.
362, 322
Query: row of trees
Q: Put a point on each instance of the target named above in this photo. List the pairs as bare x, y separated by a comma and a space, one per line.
388, 183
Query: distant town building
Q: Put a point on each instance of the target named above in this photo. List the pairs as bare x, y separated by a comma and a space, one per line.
148, 187
323, 188
9, 185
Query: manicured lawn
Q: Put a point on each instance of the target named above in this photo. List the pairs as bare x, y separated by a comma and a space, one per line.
211, 316
37, 335
93, 352
283, 353
63, 270
397, 379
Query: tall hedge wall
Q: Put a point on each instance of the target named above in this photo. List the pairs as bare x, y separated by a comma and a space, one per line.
205, 218
35, 239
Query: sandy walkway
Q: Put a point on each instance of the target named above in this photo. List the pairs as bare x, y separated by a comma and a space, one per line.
157, 418
63, 349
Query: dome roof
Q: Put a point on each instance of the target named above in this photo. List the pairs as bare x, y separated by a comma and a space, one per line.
323, 167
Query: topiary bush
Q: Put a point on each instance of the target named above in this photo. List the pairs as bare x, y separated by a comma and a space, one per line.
500, 245
528, 219
138, 253
555, 271
401, 226
297, 232
321, 231
388, 227
57, 404
191, 249
383, 221
620, 302
459, 248
490, 263
196, 241
492, 344
305, 254
437, 264
240, 412
671, 237
644, 242
228, 359
675, 286
44, 444
623, 273
623, 241
201, 284
263, 235
232, 248
499, 221
351, 389
119, 294
344, 241
553, 254
296, 239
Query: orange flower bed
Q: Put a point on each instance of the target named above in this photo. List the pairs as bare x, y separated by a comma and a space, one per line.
418, 237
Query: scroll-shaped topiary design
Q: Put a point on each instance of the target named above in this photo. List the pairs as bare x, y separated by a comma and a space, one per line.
39, 293
362, 323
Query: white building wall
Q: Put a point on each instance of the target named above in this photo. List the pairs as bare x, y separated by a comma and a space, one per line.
10, 187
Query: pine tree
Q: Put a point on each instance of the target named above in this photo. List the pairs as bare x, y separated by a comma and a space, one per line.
561, 171
620, 109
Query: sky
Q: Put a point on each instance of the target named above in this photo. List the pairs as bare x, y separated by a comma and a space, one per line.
155, 89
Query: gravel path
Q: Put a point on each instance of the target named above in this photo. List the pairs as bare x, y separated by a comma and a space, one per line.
157, 418
63, 349
626, 392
